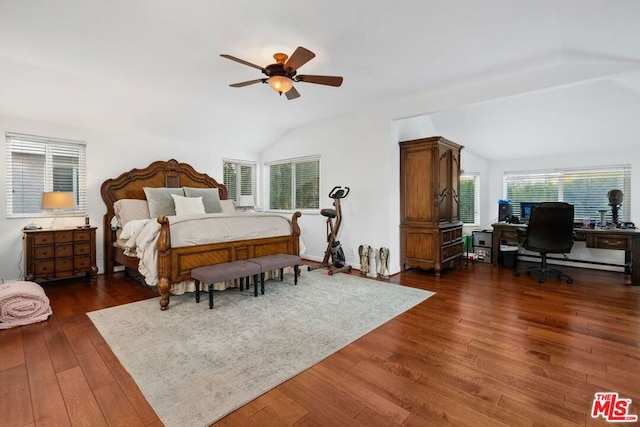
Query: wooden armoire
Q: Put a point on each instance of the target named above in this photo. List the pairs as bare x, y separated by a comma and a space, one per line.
430, 226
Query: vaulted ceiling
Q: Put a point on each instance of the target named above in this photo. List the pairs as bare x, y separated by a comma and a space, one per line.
153, 67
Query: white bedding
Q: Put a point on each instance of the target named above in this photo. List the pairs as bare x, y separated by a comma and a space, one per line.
140, 236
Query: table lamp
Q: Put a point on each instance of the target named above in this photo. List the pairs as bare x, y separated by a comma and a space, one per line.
245, 202
57, 201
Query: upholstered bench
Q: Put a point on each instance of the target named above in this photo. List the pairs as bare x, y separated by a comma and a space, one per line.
222, 272
274, 262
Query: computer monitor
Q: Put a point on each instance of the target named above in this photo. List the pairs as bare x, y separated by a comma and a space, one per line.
525, 211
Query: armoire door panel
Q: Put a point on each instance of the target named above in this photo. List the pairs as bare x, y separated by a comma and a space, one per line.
417, 196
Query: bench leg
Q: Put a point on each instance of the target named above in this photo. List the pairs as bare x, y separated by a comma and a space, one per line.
282, 274
210, 296
255, 284
197, 282
262, 283
241, 281
296, 270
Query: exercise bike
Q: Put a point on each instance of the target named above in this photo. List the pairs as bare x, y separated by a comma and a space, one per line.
334, 248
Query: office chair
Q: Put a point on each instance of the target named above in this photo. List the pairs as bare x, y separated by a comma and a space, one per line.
550, 231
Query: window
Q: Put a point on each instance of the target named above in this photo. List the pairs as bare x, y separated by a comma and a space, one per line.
38, 164
470, 199
293, 184
240, 179
586, 189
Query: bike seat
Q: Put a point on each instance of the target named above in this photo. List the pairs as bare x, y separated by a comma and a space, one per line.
328, 212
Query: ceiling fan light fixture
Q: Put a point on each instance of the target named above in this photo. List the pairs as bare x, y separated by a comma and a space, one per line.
280, 84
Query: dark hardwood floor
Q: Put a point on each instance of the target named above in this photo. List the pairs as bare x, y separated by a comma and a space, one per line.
488, 349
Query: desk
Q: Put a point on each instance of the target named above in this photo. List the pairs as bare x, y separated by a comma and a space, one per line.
615, 239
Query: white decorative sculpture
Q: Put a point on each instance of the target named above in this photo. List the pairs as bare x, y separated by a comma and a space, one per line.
363, 251
373, 254
383, 263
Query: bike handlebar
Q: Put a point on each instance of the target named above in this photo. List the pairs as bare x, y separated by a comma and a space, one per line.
338, 192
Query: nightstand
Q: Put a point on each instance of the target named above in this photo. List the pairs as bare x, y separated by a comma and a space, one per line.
60, 253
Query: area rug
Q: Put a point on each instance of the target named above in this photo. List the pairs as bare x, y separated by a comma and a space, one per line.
195, 365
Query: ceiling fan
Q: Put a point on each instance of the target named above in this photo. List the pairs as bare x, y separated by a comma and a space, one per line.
282, 74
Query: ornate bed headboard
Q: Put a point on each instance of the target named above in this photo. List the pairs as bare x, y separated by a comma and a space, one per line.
129, 185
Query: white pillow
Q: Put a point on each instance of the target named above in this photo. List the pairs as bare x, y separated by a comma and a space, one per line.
188, 205
210, 198
159, 201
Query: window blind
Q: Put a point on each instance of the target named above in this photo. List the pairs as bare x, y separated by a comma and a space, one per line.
240, 179
293, 184
586, 189
36, 164
470, 198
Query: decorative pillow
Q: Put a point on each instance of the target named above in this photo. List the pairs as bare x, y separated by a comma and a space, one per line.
188, 205
210, 198
228, 206
129, 209
160, 201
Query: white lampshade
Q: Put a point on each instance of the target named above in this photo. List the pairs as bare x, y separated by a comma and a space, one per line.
245, 201
280, 84
58, 200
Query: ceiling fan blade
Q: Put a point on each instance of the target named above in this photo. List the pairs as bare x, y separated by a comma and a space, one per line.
298, 58
292, 94
242, 61
321, 80
249, 82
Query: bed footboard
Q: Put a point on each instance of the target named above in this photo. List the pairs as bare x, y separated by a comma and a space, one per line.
175, 264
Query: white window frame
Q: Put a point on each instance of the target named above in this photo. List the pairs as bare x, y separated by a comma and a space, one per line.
239, 184
267, 182
47, 146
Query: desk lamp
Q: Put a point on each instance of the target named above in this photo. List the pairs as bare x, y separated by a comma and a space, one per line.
57, 201
615, 201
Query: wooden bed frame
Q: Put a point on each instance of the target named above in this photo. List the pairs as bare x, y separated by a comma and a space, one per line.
175, 264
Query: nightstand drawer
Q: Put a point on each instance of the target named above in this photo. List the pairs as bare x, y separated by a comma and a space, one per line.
65, 236
44, 252
63, 251
43, 239
64, 264
82, 249
43, 267
81, 263
81, 236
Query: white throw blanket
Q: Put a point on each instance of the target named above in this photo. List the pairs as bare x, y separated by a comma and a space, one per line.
22, 303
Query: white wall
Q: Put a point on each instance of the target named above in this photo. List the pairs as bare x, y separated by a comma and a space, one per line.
108, 155
354, 152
